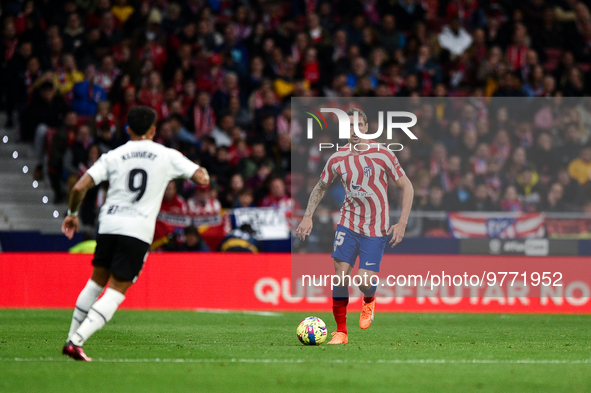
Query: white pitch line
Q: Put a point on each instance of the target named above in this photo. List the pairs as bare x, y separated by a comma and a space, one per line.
223, 311
330, 361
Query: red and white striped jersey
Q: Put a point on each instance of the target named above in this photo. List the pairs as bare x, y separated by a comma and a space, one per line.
365, 179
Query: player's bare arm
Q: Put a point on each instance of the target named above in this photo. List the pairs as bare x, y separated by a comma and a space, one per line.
305, 227
397, 230
70, 224
201, 177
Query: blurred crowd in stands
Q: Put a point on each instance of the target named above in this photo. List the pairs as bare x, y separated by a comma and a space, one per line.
220, 75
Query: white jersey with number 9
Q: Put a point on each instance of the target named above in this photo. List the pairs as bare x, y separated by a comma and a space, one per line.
138, 173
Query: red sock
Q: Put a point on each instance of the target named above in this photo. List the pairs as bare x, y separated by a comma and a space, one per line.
368, 299
339, 310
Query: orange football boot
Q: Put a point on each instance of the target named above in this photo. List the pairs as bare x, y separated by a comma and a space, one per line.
366, 317
339, 338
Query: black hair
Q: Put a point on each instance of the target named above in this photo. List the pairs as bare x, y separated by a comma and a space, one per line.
208, 139
178, 117
191, 230
140, 119
248, 229
105, 126
436, 184
225, 113
479, 180
46, 86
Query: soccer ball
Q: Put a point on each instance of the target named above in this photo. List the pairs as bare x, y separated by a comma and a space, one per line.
312, 331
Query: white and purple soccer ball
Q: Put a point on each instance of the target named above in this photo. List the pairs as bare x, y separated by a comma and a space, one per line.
312, 331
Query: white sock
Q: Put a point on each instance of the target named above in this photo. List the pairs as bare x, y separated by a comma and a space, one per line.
85, 300
99, 314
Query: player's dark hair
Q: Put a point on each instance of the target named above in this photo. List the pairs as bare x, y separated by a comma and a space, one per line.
140, 119
352, 111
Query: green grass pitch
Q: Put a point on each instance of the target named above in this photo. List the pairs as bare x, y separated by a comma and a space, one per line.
141, 351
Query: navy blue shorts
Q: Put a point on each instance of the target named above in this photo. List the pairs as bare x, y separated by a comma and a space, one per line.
348, 245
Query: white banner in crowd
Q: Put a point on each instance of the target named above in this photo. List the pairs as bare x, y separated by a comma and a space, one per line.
269, 223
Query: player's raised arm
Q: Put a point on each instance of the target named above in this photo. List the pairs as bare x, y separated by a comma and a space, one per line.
407, 196
201, 176
70, 224
305, 227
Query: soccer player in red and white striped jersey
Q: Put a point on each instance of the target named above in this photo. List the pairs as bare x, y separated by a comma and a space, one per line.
364, 168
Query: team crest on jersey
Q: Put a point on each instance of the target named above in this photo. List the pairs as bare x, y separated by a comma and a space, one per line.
368, 171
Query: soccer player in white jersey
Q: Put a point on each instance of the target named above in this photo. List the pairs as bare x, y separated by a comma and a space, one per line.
364, 169
138, 173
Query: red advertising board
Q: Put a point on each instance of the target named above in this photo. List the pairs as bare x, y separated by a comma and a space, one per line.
262, 282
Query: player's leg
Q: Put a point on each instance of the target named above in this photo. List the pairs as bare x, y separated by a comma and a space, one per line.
103, 256
368, 288
371, 251
94, 287
128, 259
102, 311
346, 249
340, 294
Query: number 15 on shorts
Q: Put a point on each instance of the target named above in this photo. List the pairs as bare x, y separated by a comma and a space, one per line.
339, 238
